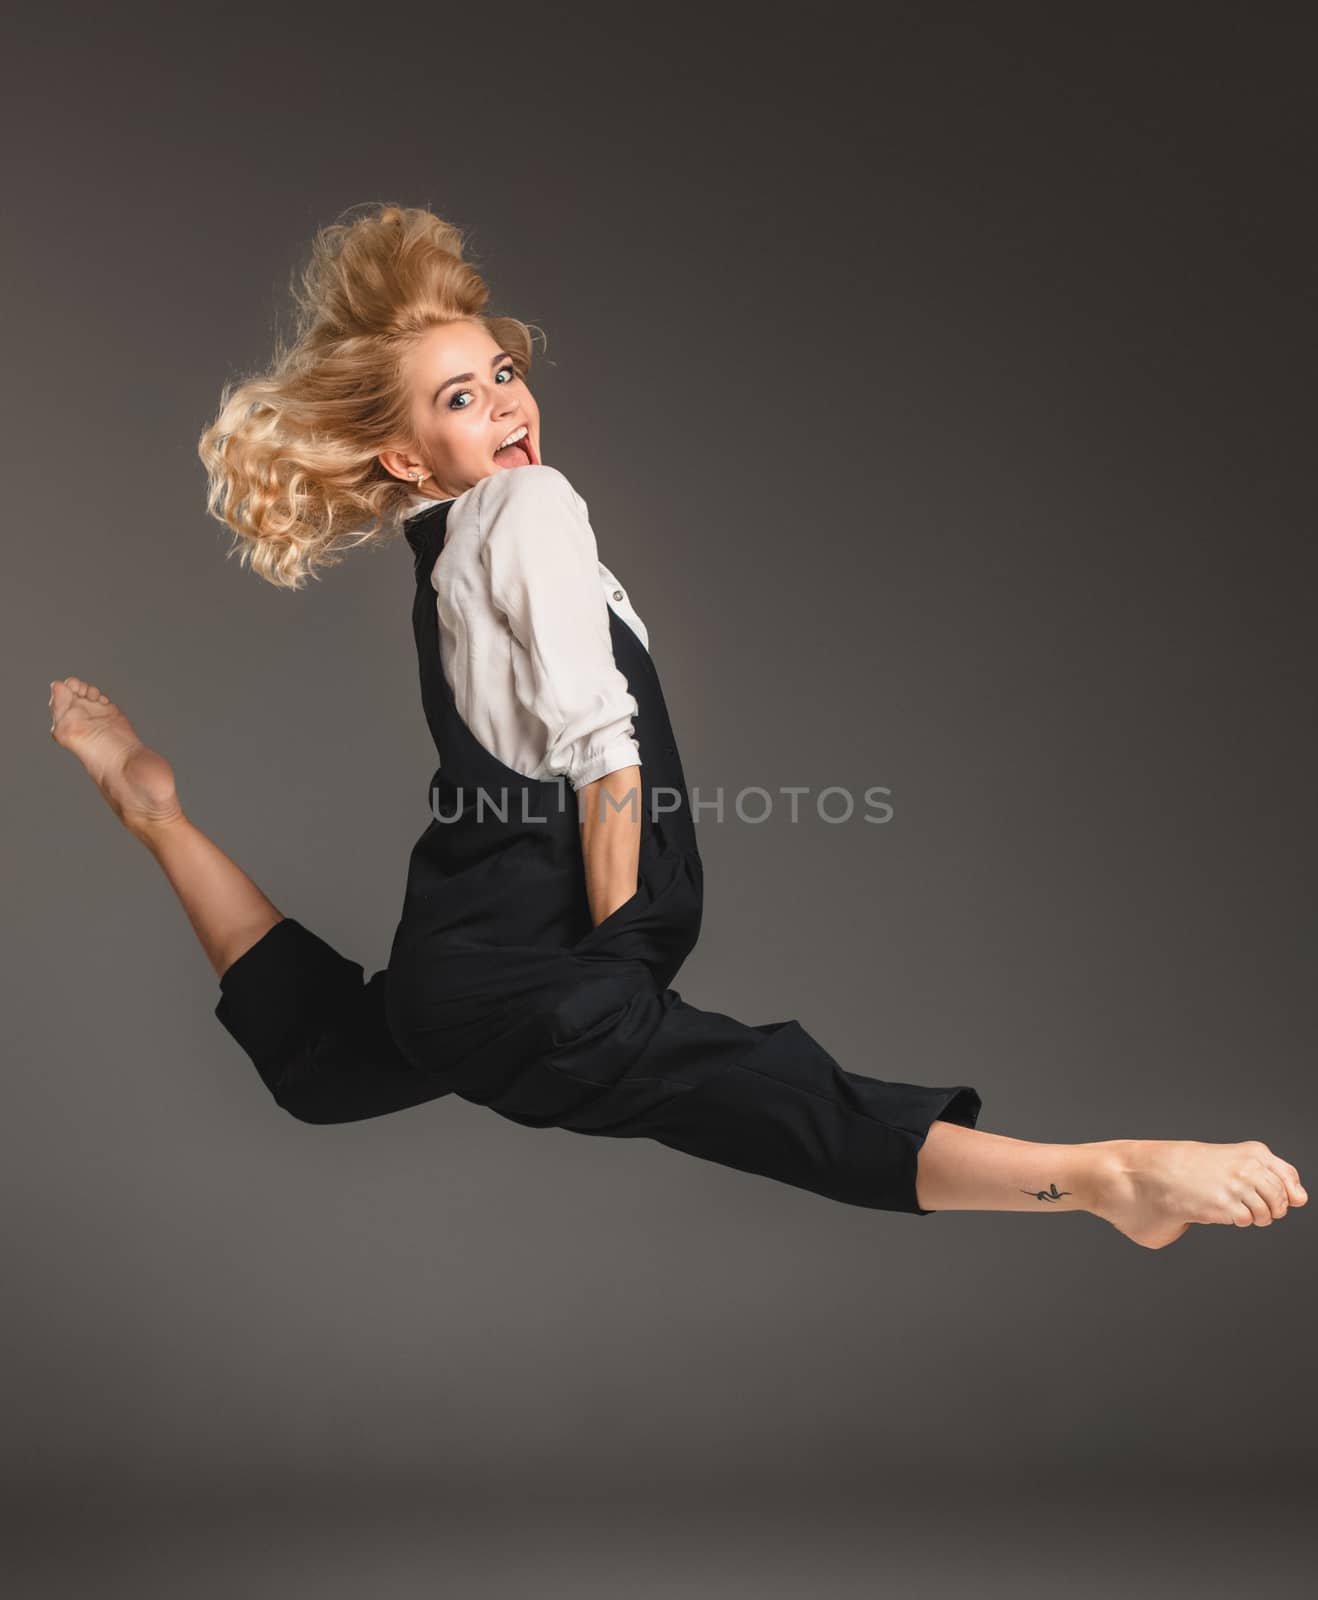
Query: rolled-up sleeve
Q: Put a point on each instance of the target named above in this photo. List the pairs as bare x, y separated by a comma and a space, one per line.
539, 550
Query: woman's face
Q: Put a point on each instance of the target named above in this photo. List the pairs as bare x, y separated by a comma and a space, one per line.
466, 400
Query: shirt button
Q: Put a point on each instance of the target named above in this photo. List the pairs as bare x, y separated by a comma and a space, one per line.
618, 594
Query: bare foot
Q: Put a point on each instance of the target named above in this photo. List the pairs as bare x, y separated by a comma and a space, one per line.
1157, 1187
137, 782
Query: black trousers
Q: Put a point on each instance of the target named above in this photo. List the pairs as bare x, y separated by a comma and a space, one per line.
766, 1099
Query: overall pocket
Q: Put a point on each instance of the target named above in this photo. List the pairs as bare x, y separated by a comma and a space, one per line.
617, 917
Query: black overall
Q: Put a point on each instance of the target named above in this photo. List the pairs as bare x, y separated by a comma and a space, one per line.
499, 988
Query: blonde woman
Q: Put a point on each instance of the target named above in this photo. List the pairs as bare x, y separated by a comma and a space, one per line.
557, 887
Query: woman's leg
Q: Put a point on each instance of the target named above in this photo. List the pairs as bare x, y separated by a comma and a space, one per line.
613, 1056
767, 1099
313, 1027
226, 909
1149, 1189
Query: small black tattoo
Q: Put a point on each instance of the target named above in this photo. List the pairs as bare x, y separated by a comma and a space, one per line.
1050, 1193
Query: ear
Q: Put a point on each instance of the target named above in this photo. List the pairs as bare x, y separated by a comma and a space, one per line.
400, 465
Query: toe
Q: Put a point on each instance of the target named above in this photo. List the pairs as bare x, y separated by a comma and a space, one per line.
1273, 1192
1291, 1178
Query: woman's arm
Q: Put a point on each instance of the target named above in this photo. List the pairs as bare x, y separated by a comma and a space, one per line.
543, 563
611, 839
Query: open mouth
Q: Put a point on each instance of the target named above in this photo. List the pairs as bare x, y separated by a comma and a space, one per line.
517, 454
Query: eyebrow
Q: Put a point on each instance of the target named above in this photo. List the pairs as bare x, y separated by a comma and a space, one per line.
467, 377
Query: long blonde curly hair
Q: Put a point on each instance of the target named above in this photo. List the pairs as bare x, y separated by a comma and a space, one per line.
292, 457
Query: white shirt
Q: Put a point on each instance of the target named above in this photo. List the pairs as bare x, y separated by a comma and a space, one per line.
523, 605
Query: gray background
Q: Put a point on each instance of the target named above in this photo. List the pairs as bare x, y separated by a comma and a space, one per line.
958, 379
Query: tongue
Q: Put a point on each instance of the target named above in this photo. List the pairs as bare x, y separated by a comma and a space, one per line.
513, 455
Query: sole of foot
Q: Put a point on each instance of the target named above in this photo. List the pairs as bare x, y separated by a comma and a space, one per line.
137, 782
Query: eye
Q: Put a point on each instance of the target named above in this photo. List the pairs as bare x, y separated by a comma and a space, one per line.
509, 370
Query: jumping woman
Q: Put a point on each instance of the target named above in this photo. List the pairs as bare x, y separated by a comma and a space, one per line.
557, 888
